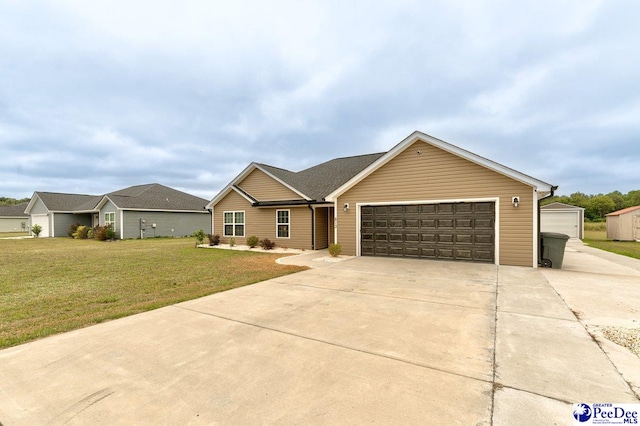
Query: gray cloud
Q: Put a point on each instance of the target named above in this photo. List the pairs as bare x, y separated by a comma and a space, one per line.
95, 97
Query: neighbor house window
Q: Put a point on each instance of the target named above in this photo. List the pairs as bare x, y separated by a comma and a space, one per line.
282, 221
234, 224
110, 219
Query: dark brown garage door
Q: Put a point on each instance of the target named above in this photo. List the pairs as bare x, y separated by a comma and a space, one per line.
448, 231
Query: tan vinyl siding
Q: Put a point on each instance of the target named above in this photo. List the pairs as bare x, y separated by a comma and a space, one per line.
322, 228
262, 187
261, 222
435, 174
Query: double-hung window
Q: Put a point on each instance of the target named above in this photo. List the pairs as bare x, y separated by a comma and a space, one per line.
282, 223
110, 220
234, 224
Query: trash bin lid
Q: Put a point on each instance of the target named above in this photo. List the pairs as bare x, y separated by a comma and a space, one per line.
554, 235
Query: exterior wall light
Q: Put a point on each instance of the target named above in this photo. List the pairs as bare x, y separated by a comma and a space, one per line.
515, 201
346, 207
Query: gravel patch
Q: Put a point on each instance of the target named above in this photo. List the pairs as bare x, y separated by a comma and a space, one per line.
627, 337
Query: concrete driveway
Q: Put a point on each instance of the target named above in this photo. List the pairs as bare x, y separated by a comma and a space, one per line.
367, 340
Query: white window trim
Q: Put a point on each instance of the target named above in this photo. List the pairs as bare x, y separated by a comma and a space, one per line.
288, 224
243, 223
107, 222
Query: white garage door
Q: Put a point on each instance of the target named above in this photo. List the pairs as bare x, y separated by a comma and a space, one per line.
562, 222
43, 221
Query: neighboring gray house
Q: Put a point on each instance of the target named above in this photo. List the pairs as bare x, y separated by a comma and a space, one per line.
624, 225
562, 218
153, 210
140, 211
55, 212
13, 218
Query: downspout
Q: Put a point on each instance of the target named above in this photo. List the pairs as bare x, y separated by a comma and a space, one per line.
551, 194
313, 227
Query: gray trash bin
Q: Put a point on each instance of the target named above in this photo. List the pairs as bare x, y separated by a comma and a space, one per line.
553, 245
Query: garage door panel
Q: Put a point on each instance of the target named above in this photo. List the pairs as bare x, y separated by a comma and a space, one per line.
411, 223
464, 223
445, 238
464, 254
428, 223
464, 239
484, 224
456, 231
484, 239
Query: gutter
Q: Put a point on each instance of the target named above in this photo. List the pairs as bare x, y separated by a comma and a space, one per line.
313, 227
551, 194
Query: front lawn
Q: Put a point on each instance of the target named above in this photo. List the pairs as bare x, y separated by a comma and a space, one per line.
52, 285
13, 234
598, 239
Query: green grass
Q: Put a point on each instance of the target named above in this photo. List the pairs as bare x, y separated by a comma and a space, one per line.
13, 234
52, 285
598, 239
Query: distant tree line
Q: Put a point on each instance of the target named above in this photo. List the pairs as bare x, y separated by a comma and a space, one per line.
5, 201
596, 207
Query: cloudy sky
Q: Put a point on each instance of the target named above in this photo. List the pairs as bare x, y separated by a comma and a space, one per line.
96, 96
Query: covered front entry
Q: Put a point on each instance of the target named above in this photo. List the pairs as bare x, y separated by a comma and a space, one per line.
445, 231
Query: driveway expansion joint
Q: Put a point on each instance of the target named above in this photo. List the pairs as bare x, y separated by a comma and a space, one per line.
313, 339
364, 293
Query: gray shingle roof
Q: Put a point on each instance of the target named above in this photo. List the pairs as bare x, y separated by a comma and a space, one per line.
14, 210
319, 181
154, 196
59, 202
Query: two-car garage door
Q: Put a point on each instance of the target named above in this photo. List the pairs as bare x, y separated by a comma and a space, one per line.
446, 231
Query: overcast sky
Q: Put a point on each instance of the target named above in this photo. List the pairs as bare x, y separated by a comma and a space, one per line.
100, 95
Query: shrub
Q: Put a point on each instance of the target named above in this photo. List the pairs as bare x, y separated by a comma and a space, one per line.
253, 241
199, 234
232, 242
36, 229
110, 233
81, 232
72, 229
104, 233
267, 244
214, 240
335, 249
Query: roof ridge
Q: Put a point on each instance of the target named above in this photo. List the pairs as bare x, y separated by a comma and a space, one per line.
275, 167
66, 193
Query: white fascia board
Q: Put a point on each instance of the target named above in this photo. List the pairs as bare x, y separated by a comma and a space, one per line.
228, 188
251, 167
282, 182
34, 199
102, 202
224, 193
541, 186
133, 209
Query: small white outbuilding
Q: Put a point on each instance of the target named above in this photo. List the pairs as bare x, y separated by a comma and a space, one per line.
624, 225
563, 219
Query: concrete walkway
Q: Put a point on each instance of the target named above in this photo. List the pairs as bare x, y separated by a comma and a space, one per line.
361, 341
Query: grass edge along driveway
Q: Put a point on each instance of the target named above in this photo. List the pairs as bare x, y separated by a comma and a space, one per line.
54, 285
598, 239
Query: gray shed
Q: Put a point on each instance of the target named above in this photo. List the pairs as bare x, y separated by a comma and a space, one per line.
562, 218
624, 225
